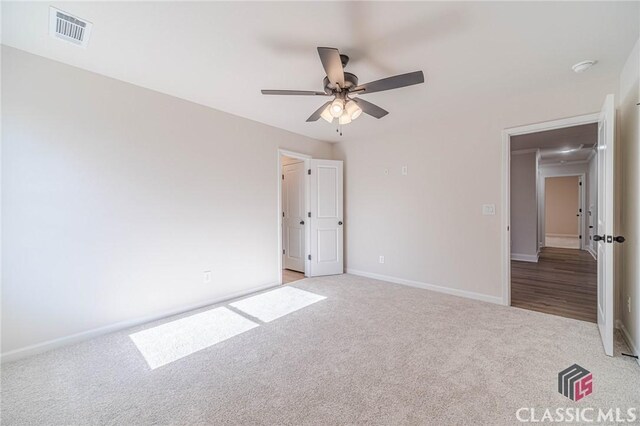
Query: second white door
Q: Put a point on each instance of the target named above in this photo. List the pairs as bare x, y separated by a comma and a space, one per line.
293, 216
326, 220
606, 225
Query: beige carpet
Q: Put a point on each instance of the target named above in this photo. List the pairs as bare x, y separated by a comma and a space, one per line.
370, 353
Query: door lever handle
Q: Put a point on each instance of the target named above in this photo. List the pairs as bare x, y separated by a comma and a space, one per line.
302, 222
619, 239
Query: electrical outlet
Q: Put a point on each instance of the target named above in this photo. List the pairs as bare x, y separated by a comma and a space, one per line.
381, 259
629, 303
386, 171
207, 277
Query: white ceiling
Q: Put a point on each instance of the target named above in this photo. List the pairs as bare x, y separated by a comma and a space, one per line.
221, 54
566, 145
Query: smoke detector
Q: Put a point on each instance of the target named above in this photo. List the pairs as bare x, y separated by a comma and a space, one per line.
64, 26
583, 66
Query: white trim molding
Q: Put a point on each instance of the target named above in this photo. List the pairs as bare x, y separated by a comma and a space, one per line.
525, 257
446, 290
122, 325
627, 337
566, 163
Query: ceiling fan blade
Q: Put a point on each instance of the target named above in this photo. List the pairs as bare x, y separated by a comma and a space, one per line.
389, 83
293, 92
316, 115
332, 64
371, 109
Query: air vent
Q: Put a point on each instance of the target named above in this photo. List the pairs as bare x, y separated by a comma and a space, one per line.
68, 27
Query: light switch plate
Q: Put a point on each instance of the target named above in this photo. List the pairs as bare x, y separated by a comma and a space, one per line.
405, 170
488, 209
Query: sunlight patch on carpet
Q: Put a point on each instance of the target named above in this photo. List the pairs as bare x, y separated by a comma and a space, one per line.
177, 339
276, 303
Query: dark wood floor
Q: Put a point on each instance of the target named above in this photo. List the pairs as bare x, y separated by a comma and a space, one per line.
563, 282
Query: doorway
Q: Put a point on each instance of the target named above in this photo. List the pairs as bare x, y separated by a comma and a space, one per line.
549, 271
563, 211
293, 208
310, 216
601, 232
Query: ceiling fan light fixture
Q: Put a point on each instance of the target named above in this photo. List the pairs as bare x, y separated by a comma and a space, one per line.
339, 85
337, 107
326, 114
345, 118
353, 110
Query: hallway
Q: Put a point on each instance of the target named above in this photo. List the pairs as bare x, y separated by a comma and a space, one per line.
563, 282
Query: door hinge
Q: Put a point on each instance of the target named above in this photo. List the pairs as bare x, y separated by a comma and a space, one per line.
282, 177
580, 237
580, 183
282, 214
282, 251
580, 210
309, 257
309, 171
309, 214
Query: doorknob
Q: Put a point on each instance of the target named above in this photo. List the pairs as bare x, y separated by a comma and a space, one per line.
340, 223
619, 239
598, 238
302, 222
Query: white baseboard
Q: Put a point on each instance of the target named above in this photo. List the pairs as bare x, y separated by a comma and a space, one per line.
89, 334
589, 250
432, 287
627, 337
562, 235
525, 257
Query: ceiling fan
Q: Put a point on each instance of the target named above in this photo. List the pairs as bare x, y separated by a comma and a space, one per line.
343, 85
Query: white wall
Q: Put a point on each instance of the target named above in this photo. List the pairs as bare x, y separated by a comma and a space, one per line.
628, 146
116, 199
429, 224
524, 201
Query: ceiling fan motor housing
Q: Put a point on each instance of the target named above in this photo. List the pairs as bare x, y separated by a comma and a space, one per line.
350, 81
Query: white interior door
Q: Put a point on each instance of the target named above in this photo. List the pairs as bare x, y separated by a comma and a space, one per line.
580, 214
293, 200
326, 227
605, 225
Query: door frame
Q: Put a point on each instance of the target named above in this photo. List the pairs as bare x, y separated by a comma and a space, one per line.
583, 203
506, 185
305, 157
